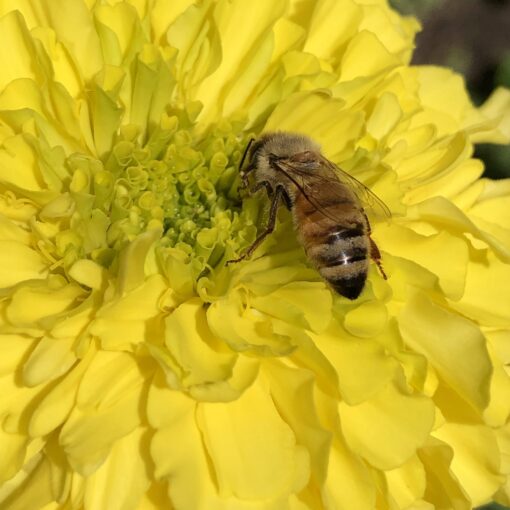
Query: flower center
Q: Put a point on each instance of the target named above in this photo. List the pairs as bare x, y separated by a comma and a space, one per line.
182, 183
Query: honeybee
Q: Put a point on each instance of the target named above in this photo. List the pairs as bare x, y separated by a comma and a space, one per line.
326, 205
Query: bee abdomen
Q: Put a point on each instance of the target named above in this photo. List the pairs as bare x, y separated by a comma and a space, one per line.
342, 260
330, 258
349, 287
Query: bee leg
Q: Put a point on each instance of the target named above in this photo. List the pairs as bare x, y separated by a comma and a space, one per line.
259, 186
369, 229
286, 199
245, 174
375, 254
256, 187
244, 181
269, 228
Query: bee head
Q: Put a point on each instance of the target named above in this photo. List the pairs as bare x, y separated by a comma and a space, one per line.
283, 145
263, 152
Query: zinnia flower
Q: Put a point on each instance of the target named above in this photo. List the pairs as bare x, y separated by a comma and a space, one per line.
138, 370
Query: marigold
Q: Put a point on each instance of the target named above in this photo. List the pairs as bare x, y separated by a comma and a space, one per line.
138, 371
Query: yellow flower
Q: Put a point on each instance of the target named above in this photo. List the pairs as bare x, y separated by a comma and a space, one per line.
138, 371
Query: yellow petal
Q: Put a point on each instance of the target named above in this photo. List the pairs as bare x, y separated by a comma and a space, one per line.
428, 252
122, 322
114, 409
156, 497
199, 353
444, 91
16, 399
132, 270
15, 209
493, 202
88, 273
297, 63
476, 459
388, 429
498, 411
487, 294
267, 274
120, 334
177, 449
252, 450
366, 320
198, 48
148, 99
13, 447
489, 211
248, 329
23, 107
287, 36
307, 355
332, 24
32, 15
14, 349
33, 489
73, 24
385, 115
417, 140
497, 109
244, 373
395, 33
66, 82
106, 113
19, 63
362, 366
406, 484
452, 344
304, 304
19, 263
443, 159
113, 486
360, 492
448, 183
56, 405
118, 27
440, 212
500, 342
162, 14
355, 65
240, 36
443, 486
503, 438
178, 454
18, 164
29, 305
292, 391
49, 360
72, 323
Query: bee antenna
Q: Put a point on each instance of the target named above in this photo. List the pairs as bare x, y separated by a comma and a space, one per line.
245, 153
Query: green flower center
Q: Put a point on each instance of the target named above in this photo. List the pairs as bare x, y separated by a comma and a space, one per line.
183, 183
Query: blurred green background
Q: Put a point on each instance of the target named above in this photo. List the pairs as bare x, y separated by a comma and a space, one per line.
473, 38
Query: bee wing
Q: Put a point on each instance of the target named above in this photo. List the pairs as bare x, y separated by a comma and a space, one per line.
307, 183
309, 174
364, 194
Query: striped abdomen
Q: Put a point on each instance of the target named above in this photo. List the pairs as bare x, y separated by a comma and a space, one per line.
337, 244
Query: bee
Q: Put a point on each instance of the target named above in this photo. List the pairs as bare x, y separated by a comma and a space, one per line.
326, 205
